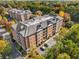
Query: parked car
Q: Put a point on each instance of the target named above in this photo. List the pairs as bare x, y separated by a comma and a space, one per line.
45, 45
42, 48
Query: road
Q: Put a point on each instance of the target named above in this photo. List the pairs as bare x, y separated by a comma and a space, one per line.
15, 53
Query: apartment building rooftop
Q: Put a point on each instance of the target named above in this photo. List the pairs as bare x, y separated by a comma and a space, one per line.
39, 19
30, 26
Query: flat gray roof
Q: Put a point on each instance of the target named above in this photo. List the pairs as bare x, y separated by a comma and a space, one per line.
38, 19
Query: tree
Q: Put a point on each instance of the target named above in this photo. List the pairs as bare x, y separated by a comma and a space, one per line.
69, 24
66, 46
61, 13
2, 9
67, 17
38, 13
70, 9
45, 9
73, 34
32, 54
69, 47
54, 51
52, 13
69, 44
0, 17
11, 4
5, 48
49, 54
63, 56
5, 19
62, 33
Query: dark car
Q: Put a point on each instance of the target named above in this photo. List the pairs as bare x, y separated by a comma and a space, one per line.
42, 49
45, 45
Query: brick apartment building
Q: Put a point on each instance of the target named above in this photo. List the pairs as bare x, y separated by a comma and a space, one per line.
34, 32
20, 15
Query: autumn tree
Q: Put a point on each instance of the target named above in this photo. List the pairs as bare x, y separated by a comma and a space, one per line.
32, 54
61, 13
2, 10
38, 13
5, 48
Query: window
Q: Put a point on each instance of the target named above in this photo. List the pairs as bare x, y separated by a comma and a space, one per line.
44, 33
57, 19
39, 26
53, 19
18, 38
20, 27
45, 45
54, 24
49, 22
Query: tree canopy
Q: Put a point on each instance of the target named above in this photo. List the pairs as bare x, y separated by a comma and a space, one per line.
5, 48
67, 47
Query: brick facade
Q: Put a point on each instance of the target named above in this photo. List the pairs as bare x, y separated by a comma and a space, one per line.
32, 41
49, 31
39, 38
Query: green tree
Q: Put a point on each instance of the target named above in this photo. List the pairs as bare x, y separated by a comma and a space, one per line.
52, 13
62, 33
63, 56
69, 24
73, 34
2, 10
52, 52
49, 54
11, 4
70, 9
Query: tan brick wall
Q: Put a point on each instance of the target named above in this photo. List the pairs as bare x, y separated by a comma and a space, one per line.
26, 42
49, 31
39, 37
59, 25
45, 34
32, 41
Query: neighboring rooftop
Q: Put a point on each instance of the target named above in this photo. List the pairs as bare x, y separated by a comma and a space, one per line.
20, 11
